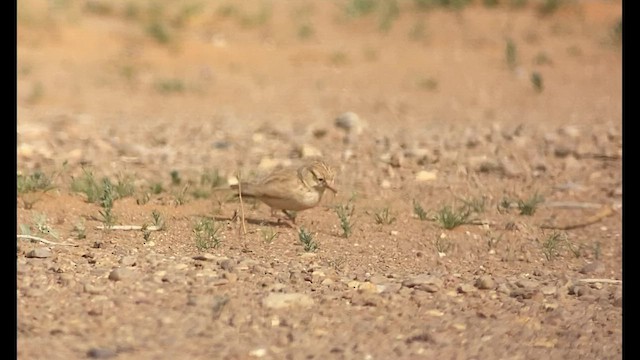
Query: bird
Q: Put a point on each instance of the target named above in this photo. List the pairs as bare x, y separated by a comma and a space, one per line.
291, 189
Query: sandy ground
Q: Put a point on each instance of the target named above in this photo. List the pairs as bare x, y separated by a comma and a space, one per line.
482, 108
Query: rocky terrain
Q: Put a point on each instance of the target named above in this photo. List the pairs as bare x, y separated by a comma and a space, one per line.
478, 154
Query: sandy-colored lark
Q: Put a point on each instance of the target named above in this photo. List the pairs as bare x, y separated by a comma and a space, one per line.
292, 188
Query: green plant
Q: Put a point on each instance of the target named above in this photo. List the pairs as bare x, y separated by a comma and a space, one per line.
449, 218
87, 185
42, 225
36, 94
158, 219
339, 58
345, 213
442, 244
384, 217
551, 245
307, 241
175, 177
206, 234
511, 53
156, 188
269, 235
358, 8
536, 80
79, 230
124, 186
418, 210
305, 31
106, 202
492, 241
37, 181
428, 83
529, 206
260, 17
548, 7
389, 12
167, 86
418, 31
474, 205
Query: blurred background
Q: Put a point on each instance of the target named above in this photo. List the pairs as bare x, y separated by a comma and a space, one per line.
169, 83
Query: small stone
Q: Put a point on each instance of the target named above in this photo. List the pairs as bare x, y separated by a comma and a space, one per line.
485, 282
424, 175
548, 290
39, 253
286, 300
385, 184
550, 306
596, 267
562, 150
390, 287
367, 287
434, 312
260, 352
571, 162
509, 168
205, 257
349, 121
327, 281
93, 289
128, 261
484, 164
527, 284
232, 277
227, 264
121, 274
308, 151
423, 282
101, 353
466, 288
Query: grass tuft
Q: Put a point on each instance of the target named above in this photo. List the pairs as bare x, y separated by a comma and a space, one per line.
384, 217
528, 207
345, 214
419, 211
449, 218
206, 234
307, 241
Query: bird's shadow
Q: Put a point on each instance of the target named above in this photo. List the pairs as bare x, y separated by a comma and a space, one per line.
259, 222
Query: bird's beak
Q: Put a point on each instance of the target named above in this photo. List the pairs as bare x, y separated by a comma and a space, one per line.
331, 188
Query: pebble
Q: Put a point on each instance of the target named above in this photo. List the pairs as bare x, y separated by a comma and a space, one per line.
93, 289
121, 274
128, 260
424, 175
308, 151
596, 267
466, 288
349, 121
287, 300
260, 352
101, 353
39, 253
206, 257
232, 277
562, 151
228, 264
548, 290
485, 282
423, 282
367, 287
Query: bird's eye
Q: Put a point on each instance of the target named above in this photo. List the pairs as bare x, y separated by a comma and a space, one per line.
321, 179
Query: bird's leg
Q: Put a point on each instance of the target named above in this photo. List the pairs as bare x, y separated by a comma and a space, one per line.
291, 215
